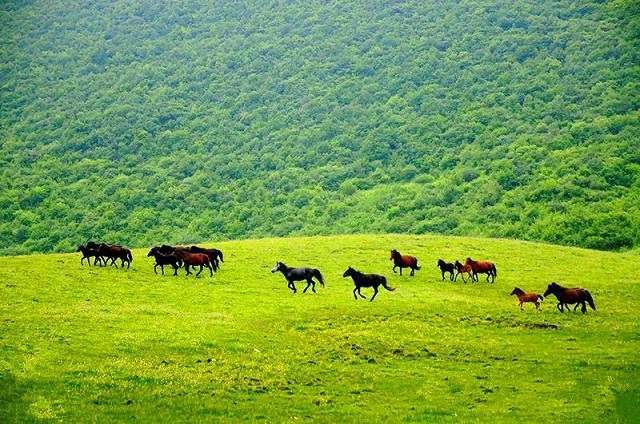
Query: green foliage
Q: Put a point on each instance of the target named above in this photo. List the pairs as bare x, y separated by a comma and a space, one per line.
152, 121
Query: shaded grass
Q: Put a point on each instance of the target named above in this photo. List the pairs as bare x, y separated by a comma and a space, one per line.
102, 344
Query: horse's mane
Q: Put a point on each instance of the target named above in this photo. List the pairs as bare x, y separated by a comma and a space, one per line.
518, 290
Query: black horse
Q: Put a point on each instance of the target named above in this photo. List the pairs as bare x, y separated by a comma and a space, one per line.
163, 259
88, 253
366, 280
215, 255
570, 296
446, 267
299, 274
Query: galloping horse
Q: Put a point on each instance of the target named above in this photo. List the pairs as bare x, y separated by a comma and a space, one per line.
113, 252
461, 270
366, 280
299, 274
569, 296
87, 254
215, 255
523, 297
193, 260
163, 259
446, 267
483, 267
403, 261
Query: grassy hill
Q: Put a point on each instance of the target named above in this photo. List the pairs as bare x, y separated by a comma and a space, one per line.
96, 344
146, 120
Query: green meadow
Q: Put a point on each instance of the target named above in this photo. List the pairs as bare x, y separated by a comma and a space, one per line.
92, 344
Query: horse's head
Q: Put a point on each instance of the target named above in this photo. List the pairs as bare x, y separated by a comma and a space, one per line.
153, 251
469, 260
80, 248
516, 291
394, 254
551, 288
277, 267
441, 263
348, 272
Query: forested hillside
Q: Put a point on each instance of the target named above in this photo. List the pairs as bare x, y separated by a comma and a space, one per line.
151, 121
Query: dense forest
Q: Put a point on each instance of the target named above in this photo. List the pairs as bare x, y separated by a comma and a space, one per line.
180, 121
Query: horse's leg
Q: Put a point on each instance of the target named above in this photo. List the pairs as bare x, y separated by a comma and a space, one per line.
521, 308
186, 268
360, 294
198, 274
442, 275
307, 287
355, 296
394, 269
210, 270
560, 308
584, 307
155, 269
175, 269
375, 292
450, 276
413, 270
400, 269
313, 286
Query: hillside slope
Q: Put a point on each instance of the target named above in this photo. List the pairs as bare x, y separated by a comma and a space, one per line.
145, 121
81, 344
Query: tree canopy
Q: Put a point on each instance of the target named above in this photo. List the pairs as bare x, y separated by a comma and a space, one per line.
150, 121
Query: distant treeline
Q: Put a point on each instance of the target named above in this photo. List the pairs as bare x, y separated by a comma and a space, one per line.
151, 121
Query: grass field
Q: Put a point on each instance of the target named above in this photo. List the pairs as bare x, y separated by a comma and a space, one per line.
98, 344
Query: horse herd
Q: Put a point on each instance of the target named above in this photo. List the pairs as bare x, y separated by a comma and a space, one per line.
190, 257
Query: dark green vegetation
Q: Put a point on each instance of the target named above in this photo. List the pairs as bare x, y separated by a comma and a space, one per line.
147, 121
100, 345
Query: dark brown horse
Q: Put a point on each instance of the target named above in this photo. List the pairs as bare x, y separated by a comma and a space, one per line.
482, 267
193, 260
569, 296
446, 268
88, 253
366, 280
163, 259
523, 298
113, 252
403, 261
215, 255
461, 270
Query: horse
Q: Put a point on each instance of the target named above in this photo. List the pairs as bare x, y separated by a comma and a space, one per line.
483, 267
87, 254
299, 274
164, 259
403, 261
113, 252
461, 270
214, 254
366, 280
194, 259
446, 267
569, 296
523, 297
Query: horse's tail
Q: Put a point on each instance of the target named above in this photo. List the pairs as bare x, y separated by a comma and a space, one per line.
590, 299
129, 256
540, 297
416, 265
220, 255
316, 273
384, 284
494, 269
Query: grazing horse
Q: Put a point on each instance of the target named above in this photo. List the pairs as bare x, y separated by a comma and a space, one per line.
163, 259
88, 253
461, 270
523, 297
193, 260
483, 267
569, 296
113, 252
403, 261
366, 280
215, 255
299, 274
446, 267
